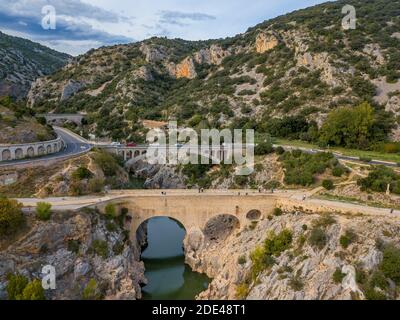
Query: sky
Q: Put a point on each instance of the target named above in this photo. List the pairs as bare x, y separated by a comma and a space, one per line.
79, 25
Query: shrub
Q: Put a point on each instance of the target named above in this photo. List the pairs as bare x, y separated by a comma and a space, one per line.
82, 173
15, 286
390, 265
33, 291
372, 294
96, 185
242, 291
296, 284
106, 162
111, 227
318, 238
43, 211
274, 245
110, 211
338, 171
11, 217
242, 260
263, 148
348, 238
100, 248
328, 184
279, 150
91, 291
260, 261
304, 227
324, 221
379, 178
278, 212
338, 276
73, 245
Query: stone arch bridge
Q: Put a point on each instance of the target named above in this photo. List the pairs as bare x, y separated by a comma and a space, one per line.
193, 210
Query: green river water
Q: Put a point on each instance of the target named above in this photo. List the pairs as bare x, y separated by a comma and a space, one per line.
169, 278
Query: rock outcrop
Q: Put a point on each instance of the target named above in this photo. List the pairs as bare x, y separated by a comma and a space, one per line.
213, 55
157, 176
153, 54
184, 69
302, 272
266, 42
67, 242
72, 87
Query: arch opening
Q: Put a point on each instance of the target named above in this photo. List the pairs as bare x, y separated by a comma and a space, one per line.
253, 215
31, 152
6, 155
19, 154
41, 151
220, 227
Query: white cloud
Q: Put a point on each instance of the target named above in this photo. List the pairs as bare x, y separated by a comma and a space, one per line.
101, 22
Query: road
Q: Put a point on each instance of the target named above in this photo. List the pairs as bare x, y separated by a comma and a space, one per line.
296, 196
338, 156
75, 145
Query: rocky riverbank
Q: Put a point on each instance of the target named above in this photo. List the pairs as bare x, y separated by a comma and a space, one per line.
83, 247
313, 257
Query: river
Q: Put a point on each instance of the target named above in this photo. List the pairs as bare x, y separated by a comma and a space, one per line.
169, 278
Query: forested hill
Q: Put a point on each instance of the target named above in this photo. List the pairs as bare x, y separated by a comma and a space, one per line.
283, 76
23, 61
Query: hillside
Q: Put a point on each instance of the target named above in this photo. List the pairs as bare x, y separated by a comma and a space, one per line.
298, 67
17, 124
23, 61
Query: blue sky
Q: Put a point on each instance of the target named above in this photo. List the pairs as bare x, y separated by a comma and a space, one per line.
85, 24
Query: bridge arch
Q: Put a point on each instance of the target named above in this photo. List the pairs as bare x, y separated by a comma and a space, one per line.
6, 155
41, 150
30, 152
19, 153
48, 149
220, 227
253, 215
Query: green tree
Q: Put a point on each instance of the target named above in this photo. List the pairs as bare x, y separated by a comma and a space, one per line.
91, 291
33, 291
390, 265
11, 216
15, 286
328, 184
349, 127
43, 211
110, 211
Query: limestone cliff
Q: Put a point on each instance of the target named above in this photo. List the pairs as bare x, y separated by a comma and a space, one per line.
184, 69
302, 272
70, 242
266, 42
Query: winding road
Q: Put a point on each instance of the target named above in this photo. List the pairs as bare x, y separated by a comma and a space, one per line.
74, 146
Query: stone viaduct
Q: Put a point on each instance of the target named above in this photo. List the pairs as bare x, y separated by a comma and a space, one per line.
29, 150
193, 210
54, 117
